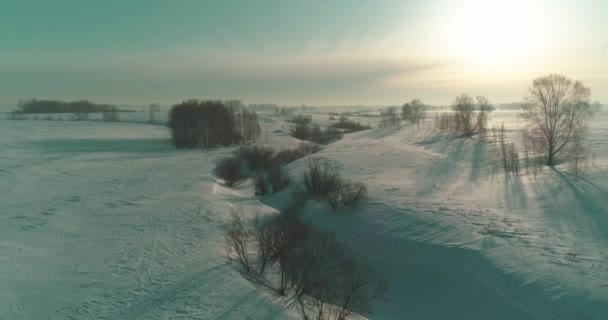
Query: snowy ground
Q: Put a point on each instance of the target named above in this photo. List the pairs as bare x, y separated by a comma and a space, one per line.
108, 221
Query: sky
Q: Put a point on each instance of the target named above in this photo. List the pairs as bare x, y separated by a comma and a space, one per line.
294, 52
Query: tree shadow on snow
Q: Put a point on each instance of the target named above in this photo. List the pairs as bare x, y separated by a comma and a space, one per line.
447, 168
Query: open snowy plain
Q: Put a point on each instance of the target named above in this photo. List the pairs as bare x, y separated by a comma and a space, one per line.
109, 221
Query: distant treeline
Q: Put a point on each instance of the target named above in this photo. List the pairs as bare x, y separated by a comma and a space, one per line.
56, 106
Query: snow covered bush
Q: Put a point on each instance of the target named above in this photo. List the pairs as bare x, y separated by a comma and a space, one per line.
288, 256
304, 149
277, 178
261, 185
320, 178
262, 247
346, 194
300, 131
315, 134
328, 283
349, 125
300, 119
238, 240
256, 157
230, 170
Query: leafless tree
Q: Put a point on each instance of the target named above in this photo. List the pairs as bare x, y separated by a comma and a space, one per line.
389, 117
257, 157
413, 111
304, 149
238, 236
346, 194
330, 283
320, 178
471, 114
556, 108
287, 256
578, 154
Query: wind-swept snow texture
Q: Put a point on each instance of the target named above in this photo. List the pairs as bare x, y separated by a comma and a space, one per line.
458, 240
108, 221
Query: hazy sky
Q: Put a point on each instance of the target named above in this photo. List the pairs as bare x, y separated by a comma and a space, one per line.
339, 52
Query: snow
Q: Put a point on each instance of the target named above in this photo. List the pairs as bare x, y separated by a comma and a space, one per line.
108, 221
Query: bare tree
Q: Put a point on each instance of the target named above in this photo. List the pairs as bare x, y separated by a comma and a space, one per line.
238, 238
578, 154
471, 114
413, 111
331, 283
556, 108
320, 178
345, 194
389, 117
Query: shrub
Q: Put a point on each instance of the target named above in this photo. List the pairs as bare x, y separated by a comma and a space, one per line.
300, 119
349, 125
320, 178
330, 283
230, 170
315, 134
346, 194
238, 238
278, 179
301, 131
323, 181
256, 157
261, 185
330, 134
302, 150
310, 266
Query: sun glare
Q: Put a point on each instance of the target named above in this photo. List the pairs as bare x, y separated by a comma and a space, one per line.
493, 33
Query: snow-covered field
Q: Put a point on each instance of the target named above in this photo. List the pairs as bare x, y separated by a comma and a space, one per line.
108, 221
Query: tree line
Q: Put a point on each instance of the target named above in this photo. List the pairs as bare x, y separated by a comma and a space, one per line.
56, 106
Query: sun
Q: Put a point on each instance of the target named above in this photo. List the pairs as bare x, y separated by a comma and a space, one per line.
491, 33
